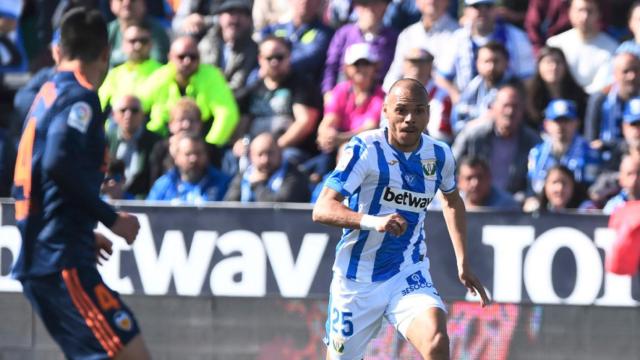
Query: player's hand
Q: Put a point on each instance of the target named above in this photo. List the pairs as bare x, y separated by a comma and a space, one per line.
104, 248
471, 282
126, 226
394, 224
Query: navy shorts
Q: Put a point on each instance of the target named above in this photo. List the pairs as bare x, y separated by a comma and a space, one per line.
86, 318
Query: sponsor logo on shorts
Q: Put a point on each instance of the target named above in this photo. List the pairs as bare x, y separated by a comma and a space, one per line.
416, 281
123, 320
405, 200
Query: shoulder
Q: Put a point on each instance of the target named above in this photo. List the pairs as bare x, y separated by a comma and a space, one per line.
559, 39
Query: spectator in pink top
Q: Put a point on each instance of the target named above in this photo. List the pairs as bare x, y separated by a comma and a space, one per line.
354, 106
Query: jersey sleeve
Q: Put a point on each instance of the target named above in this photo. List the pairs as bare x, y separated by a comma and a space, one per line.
351, 168
65, 152
448, 183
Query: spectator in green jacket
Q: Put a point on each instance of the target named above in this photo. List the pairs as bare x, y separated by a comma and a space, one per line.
128, 78
129, 12
184, 75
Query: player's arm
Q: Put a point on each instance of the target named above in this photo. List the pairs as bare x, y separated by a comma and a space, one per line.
330, 210
454, 215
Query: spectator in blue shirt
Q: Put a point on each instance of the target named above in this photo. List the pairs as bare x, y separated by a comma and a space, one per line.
629, 180
474, 182
562, 145
308, 35
192, 180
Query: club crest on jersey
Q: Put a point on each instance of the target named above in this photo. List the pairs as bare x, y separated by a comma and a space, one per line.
123, 320
79, 116
429, 168
338, 344
405, 200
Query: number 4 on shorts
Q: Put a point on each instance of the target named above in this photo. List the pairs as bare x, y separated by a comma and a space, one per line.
344, 318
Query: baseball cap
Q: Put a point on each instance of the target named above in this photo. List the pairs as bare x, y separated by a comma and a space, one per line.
561, 108
479, 2
228, 5
359, 51
631, 112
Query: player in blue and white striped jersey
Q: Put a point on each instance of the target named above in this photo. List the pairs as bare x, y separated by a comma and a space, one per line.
379, 193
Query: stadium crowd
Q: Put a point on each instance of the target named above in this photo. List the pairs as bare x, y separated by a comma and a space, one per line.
251, 100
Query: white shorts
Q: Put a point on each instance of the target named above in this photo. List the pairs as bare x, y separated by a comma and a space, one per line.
356, 309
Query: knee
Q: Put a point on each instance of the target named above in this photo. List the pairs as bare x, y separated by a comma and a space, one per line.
437, 347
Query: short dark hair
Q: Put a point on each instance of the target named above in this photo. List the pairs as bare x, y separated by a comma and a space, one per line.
473, 161
496, 47
83, 34
279, 39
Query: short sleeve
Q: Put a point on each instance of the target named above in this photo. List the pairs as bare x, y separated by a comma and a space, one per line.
351, 169
445, 157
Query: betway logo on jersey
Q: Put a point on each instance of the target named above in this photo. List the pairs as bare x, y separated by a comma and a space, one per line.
405, 200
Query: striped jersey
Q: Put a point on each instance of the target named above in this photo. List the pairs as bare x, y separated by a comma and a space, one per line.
377, 179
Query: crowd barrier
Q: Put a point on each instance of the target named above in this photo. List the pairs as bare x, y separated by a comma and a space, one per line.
236, 282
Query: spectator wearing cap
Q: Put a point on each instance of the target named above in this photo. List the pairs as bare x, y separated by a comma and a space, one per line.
354, 106
129, 77
433, 32
184, 75
367, 29
562, 145
229, 46
492, 64
418, 64
134, 12
458, 67
308, 35
586, 48
605, 108
132, 143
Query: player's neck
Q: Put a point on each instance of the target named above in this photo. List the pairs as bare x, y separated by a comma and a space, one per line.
86, 74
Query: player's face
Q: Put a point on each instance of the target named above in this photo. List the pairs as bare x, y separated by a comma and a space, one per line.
408, 114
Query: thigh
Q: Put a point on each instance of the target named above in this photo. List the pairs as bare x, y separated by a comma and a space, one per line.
354, 317
414, 295
86, 318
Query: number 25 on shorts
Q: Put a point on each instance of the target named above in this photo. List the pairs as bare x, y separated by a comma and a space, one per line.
344, 319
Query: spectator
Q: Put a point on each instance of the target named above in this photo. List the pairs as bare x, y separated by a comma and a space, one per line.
503, 141
492, 63
185, 76
476, 188
268, 177
512, 11
459, 67
552, 80
129, 77
192, 180
544, 19
132, 143
586, 48
367, 29
559, 192
605, 108
7, 160
433, 32
308, 36
185, 118
354, 106
112, 187
194, 17
562, 145
629, 180
281, 103
401, 13
229, 45
14, 57
418, 64
271, 12
632, 45
130, 12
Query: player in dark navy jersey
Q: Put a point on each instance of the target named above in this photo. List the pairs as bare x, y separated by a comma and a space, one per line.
59, 170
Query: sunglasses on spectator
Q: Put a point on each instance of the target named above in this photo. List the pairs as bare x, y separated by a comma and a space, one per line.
133, 110
277, 57
191, 56
141, 40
